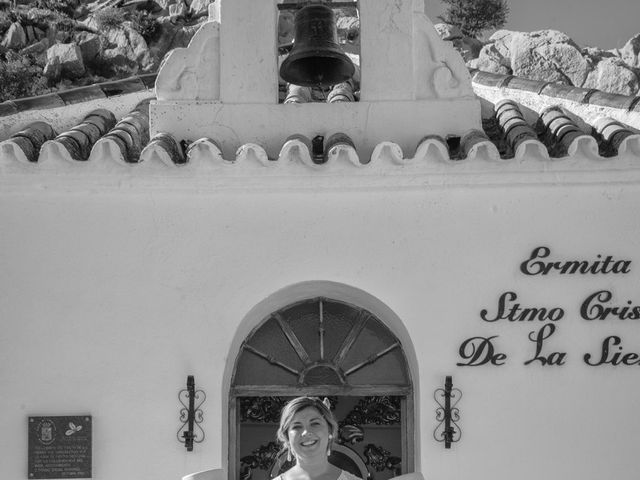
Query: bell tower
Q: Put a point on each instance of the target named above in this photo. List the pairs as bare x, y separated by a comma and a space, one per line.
223, 86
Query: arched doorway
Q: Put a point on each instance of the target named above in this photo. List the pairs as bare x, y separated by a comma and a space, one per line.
329, 348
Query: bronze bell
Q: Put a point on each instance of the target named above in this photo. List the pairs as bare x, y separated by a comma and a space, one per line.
316, 59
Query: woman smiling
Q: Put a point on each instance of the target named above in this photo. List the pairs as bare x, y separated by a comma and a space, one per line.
307, 431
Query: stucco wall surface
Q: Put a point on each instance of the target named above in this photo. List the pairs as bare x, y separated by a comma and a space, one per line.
110, 298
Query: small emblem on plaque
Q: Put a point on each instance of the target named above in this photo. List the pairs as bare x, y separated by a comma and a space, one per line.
46, 432
73, 428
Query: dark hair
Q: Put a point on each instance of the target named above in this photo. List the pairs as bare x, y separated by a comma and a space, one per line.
298, 404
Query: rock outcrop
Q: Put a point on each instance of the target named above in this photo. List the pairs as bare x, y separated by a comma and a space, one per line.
630, 53
15, 37
140, 33
64, 59
96, 41
552, 56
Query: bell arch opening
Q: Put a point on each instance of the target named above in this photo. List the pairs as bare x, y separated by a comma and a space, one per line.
318, 51
329, 348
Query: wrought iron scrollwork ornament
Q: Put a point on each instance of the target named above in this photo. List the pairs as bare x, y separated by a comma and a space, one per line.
264, 458
261, 409
191, 414
447, 413
381, 459
384, 410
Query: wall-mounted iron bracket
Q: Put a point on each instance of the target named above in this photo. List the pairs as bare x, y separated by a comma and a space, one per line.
447, 413
190, 414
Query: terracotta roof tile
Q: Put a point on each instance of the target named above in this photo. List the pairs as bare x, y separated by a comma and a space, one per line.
567, 92
8, 108
561, 134
29, 141
51, 100
517, 132
507, 133
613, 136
77, 95
605, 99
525, 84
80, 94
490, 79
557, 90
77, 142
129, 135
164, 147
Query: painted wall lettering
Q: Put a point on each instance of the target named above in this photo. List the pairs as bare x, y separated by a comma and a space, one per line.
600, 305
537, 265
480, 351
554, 358
597, 307
611, 353
513, 312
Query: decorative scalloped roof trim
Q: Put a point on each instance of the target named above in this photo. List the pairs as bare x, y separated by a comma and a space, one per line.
296, 150
343, 153
476, 143
252, 152
531, 148
585, 145
205, 149
117, 146
630, 145
13, 152
388, 151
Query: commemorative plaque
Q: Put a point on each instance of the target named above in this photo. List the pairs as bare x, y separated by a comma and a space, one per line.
60, 447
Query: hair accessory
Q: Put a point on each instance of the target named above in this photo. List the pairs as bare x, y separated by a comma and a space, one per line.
327, 403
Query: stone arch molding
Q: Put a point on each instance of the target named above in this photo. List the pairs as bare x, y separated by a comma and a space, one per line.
308, 290
312, 289
412, 62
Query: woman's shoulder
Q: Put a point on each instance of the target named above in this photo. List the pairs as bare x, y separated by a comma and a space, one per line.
344, 475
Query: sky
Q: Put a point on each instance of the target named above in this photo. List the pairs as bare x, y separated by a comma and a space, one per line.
605, 24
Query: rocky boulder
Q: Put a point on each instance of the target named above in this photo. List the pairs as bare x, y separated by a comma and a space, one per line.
127, 47
448, 32
491, 60
178, 9
5, 23
15, 38
171, 36
90, 45
199, 7
630, 53
64, 60
612, 74
37, 48
552, 56
468, 47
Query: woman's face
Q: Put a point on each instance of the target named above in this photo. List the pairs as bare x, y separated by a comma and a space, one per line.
308, 433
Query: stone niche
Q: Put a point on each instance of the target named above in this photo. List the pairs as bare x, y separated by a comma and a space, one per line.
224, 87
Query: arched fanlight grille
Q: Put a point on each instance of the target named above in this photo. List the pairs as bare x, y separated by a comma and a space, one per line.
321, 343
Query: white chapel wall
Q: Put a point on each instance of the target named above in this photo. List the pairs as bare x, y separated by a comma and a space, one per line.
112, 297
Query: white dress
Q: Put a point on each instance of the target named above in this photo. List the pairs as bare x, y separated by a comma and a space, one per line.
344, 475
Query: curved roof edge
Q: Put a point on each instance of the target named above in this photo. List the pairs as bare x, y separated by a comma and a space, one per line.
72, 96
557, 90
